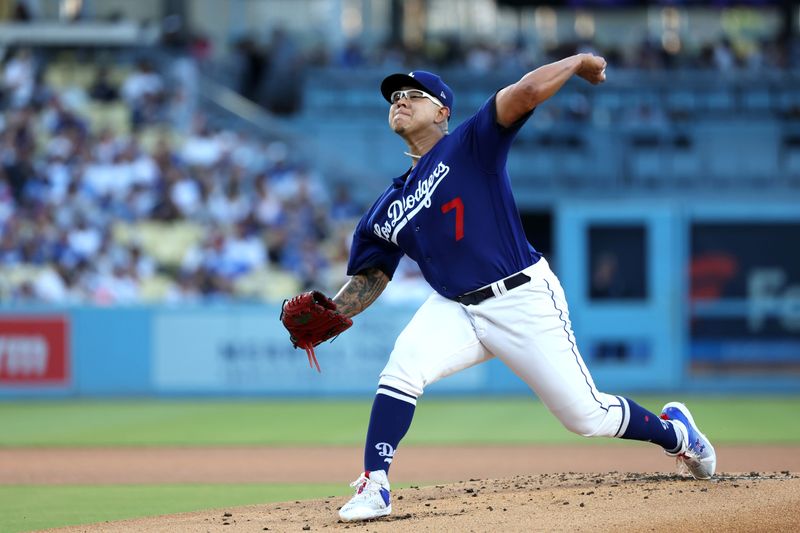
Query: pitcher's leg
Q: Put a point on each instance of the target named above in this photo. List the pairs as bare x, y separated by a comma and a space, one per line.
438, 341
530, 330
392, 412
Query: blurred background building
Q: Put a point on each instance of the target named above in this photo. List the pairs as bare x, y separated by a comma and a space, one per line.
159, 156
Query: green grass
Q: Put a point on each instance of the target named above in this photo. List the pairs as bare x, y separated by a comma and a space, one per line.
27, 508
338, 422
438, 421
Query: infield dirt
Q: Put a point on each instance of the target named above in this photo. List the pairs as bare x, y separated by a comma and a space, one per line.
528, 489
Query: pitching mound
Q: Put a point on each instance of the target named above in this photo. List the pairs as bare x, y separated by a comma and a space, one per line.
545, 502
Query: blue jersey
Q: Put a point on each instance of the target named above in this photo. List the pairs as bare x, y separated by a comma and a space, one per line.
453, 213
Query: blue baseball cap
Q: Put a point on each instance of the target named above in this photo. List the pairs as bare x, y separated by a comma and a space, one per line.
422, 80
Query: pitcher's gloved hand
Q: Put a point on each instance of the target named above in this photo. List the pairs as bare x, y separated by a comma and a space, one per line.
311, 318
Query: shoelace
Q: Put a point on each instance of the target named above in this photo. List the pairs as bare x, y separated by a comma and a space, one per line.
359, 480
368, 485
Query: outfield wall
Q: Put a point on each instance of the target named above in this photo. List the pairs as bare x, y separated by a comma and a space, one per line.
209, 350
243, 350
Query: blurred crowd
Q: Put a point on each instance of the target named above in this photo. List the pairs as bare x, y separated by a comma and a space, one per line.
272, 72
76, 199
724, 54
282, 58
168, 206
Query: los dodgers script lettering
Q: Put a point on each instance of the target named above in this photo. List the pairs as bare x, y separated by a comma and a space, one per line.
401, 211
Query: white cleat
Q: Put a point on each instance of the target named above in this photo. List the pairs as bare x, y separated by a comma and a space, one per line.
371, 500
696, 453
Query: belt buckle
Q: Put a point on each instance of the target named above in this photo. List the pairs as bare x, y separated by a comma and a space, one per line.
475, 297
467, 298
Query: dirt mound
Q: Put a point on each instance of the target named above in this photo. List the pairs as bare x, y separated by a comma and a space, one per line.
755, 501
326, 464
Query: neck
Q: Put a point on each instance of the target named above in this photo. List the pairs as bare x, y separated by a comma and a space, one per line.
420, 146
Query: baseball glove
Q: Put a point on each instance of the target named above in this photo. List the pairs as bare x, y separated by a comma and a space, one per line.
311, 319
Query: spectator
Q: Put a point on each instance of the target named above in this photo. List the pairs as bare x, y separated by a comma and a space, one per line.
59, 119
119, 287
186, 289
723, 55
6, 199
242, 253
19, 78
268, 210
9, 250
229, 207
102, 89
53, 285
25, 10
84, 240
308, 262
202, 148
184, 191
285, 75
343, 207
254, 65
180, 104
144, 92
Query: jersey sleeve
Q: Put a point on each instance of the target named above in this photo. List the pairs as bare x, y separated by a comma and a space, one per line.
489, 141
370, 251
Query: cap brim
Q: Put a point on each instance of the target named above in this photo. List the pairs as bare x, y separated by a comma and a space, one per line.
395, 82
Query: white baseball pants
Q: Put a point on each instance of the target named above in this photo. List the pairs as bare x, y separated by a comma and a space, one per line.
528, 328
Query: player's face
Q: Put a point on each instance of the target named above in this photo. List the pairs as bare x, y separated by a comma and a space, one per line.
412, 108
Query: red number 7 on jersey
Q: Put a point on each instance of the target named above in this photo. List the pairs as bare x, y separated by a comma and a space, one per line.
458, 205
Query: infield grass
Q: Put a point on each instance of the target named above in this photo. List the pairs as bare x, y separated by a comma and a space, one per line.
324, 422
28, 508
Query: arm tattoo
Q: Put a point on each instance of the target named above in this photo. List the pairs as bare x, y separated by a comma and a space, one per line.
359, 293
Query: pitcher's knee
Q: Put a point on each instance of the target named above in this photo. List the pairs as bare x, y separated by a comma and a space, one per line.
404, 384
582, 426
595, 423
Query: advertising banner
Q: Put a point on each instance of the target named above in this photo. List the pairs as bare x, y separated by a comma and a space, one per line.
240, 350
745, 296
34, 351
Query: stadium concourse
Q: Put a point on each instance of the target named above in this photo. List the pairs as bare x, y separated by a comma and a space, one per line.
115, 189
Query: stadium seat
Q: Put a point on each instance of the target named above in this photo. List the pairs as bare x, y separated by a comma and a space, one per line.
267, 284
155, 288
15, 275
113, 116
167, 243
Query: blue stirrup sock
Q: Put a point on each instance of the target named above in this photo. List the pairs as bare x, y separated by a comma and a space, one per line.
646, 426
392, 412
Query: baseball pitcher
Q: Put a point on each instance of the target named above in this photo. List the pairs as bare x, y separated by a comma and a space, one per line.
494, 295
